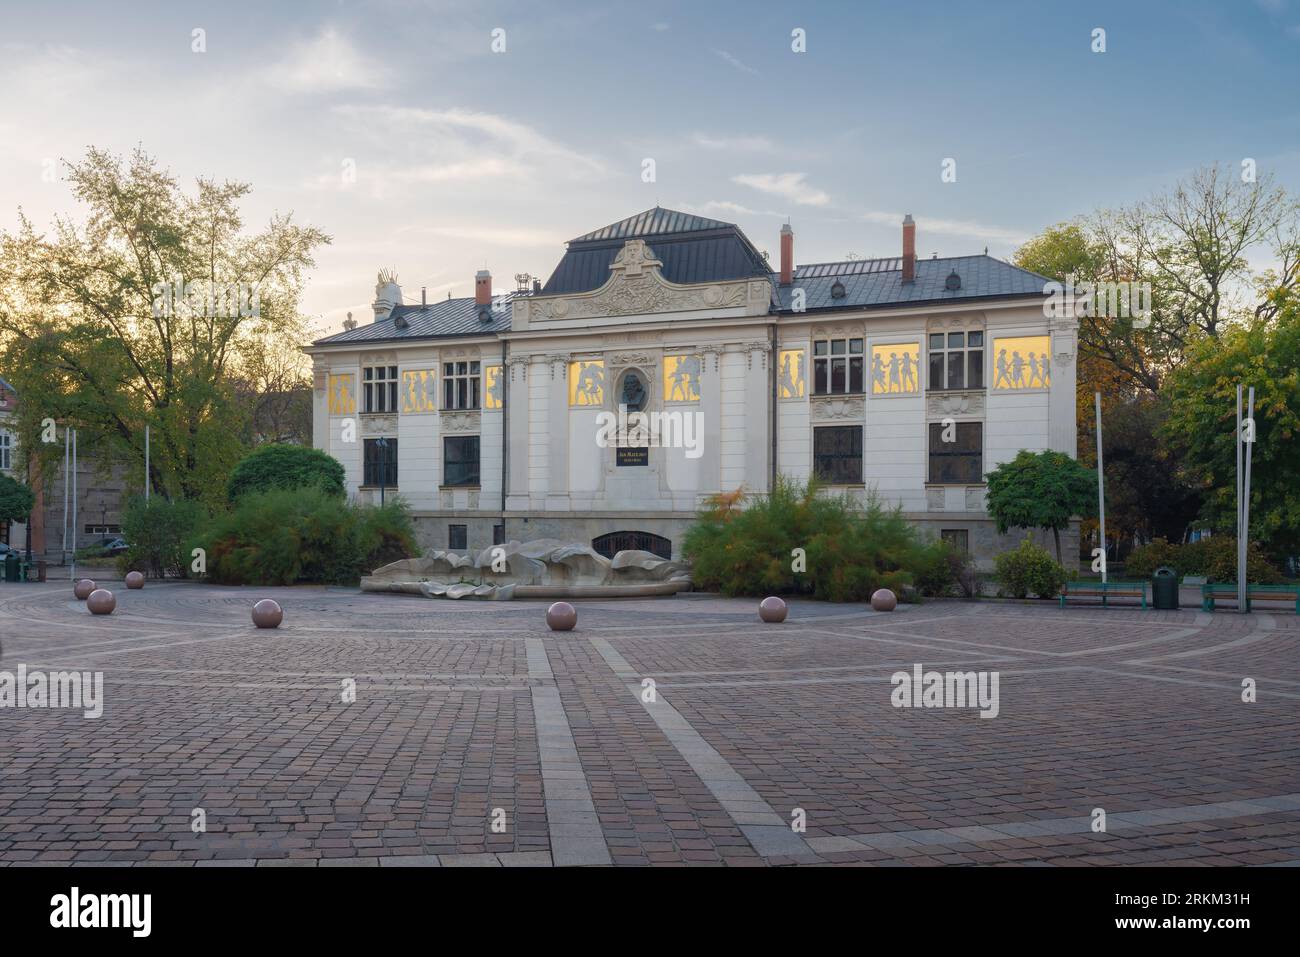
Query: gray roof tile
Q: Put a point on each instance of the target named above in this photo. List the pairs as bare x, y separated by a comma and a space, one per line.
449, 317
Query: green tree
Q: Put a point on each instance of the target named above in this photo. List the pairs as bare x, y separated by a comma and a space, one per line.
1040, 490
150, 312
287, 467
16, 500
1202, 422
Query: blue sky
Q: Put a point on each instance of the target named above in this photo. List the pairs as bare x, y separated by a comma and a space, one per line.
466, 158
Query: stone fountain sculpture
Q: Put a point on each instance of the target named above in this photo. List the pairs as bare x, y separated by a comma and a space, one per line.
544, 568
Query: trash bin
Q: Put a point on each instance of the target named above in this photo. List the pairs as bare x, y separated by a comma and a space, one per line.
1164, 588
12, 565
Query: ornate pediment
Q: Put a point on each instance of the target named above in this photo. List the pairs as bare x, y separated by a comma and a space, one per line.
636, 286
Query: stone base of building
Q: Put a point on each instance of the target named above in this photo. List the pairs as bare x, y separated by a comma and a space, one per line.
664, 532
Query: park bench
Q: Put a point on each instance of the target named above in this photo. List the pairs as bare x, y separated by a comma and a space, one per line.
1254, 593
1104, 590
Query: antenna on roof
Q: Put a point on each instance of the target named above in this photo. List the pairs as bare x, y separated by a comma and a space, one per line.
986, 250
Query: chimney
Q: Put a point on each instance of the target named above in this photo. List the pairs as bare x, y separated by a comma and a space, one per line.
483, 288
787, 255
909, 249
424, 297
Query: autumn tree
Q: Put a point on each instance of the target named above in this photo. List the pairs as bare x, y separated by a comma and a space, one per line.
150, 310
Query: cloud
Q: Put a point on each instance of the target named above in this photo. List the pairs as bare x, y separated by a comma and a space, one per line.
790, 186
491, 235
751, 144
327, 63
736, 62
950, 227
661, 27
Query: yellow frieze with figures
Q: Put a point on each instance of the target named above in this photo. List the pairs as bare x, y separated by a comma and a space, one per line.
682, 378
343, 394
587, 382
792, 374
420, 390
493, 388
896, 368
1022, 363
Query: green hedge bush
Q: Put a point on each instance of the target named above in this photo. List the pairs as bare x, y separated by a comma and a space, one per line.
159, 534
945, 572
1029, 570
270, 467
284, 536
1215, 558
850, 550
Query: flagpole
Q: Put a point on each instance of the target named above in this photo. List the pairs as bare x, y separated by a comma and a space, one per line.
1243, 543
1101, 489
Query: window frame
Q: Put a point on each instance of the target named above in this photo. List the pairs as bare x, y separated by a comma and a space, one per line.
957, 538
452, 530
6, 450
370, 462
826, 361
829, 476
969, 363
373, 381
934, 470
470, 480
462, 385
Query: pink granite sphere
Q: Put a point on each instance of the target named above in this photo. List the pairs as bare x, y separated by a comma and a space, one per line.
267, 613
83, 588
101, 602
884, 600
561, 616
773, 610
134, 579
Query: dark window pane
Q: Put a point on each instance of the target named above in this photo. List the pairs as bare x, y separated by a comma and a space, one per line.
936, 340
457, 536
838, 383
956, 340
473, 368
855, 345
819, 376
837, 347
448, 369
855, 374
956, 378
448, 393
461, 368
367, 374
975, 368
473, 391
974, 339
819, 347
837, 454
460, 460
936, 370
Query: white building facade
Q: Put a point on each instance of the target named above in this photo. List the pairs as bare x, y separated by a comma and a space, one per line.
514, 417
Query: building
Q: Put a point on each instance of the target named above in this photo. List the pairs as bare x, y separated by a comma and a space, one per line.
492, 415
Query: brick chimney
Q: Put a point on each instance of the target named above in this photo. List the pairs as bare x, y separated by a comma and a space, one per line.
909, 249
787, 255
483, 287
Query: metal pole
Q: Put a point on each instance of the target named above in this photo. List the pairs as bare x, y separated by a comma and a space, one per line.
67, 451
146, 463
1101, 489
73, 573
1243, 543
1241, 586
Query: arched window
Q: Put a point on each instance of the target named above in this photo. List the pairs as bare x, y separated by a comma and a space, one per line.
611, 543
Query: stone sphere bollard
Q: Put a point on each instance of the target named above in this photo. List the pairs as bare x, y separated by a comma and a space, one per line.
101, 602
773, 610
134, 580
267, 613
83, 588
884, 600
561, 616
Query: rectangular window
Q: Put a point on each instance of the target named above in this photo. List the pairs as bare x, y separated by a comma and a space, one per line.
961, 461
458, 536
6, 451
380, 460
837, 366
956, 360
379, 389
837, 454
460, 460
460, 385
498, 534
958, 538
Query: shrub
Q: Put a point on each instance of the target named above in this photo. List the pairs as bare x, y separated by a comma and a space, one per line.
943, 571
850, 550
284, 536
1215, 558
285, 467
16, 500
1029, 570
158, 534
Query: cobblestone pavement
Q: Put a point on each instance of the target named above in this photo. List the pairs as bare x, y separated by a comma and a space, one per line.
469, 714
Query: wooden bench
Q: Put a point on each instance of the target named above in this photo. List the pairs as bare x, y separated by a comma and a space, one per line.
1104, 590
1253, 593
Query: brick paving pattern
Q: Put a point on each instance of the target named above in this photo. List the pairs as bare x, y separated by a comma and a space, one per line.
469, 714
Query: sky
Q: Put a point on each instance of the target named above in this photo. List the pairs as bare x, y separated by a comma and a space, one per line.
398, 129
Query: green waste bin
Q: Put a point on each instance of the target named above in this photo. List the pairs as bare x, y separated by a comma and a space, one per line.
1164, 588
12, 565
